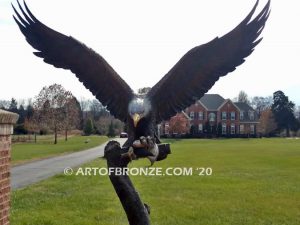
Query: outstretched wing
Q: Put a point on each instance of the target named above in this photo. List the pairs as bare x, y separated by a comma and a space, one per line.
90, 68
198, 70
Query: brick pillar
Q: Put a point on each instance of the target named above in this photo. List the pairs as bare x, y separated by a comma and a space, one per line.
7, 120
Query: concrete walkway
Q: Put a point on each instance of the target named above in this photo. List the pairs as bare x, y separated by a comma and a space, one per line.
29, 173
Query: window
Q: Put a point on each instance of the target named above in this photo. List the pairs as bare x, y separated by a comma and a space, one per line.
224, 115
232, 129
242, 128
251, 115
212, 117
200, 115
242, 115
200, 127
224, 128
192, 115
232, 115
252, 129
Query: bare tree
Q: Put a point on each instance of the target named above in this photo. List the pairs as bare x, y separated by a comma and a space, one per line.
261, 103
51, 105
32, 126
97, 110
71, 114
103, 123
4, 104
243, 97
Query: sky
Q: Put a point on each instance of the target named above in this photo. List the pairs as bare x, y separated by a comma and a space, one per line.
143, 39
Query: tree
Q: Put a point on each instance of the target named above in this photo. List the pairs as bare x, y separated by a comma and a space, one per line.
89, 127
22, 114
29, 111
84, 105
4, 104
102, 125
283, 111
118, 126
97, 110
50, 105
243, 97
71, 115
111, 130
261, 103
32, 126
267, 124
144, 90
179, 124
13, 107
297, 113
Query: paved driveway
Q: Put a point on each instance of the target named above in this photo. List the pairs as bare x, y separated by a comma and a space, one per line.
29, 173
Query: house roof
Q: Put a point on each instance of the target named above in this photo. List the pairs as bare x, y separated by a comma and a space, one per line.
212, 101
243, 106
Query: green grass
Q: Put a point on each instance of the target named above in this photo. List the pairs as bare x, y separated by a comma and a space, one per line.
254, 182
44, 148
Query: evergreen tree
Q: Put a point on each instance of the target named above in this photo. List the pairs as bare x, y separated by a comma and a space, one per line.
283, 111
22, 114
89, 127
29, 111
13, 107
111, 130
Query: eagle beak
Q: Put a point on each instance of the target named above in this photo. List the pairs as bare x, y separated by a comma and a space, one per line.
136, 118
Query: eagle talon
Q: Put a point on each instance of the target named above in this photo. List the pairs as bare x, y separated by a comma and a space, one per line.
130, 154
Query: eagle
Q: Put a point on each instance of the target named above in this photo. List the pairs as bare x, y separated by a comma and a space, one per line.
189, 79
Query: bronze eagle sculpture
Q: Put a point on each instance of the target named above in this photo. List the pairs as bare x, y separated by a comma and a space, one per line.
192, 76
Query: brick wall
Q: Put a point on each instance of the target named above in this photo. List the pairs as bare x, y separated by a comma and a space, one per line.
6, 127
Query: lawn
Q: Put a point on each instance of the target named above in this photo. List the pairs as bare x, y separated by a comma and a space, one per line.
44, 148
254, 182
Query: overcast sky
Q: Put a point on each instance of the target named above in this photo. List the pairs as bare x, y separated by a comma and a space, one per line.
143, 39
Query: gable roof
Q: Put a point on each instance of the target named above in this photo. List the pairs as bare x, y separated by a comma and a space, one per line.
212, 101
243, 106
228, 101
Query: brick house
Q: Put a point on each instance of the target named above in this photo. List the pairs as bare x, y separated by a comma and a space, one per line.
212, 115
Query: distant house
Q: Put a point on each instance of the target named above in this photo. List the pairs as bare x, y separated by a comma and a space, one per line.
212, 115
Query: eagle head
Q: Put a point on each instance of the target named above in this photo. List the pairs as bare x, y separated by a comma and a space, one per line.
138, 108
